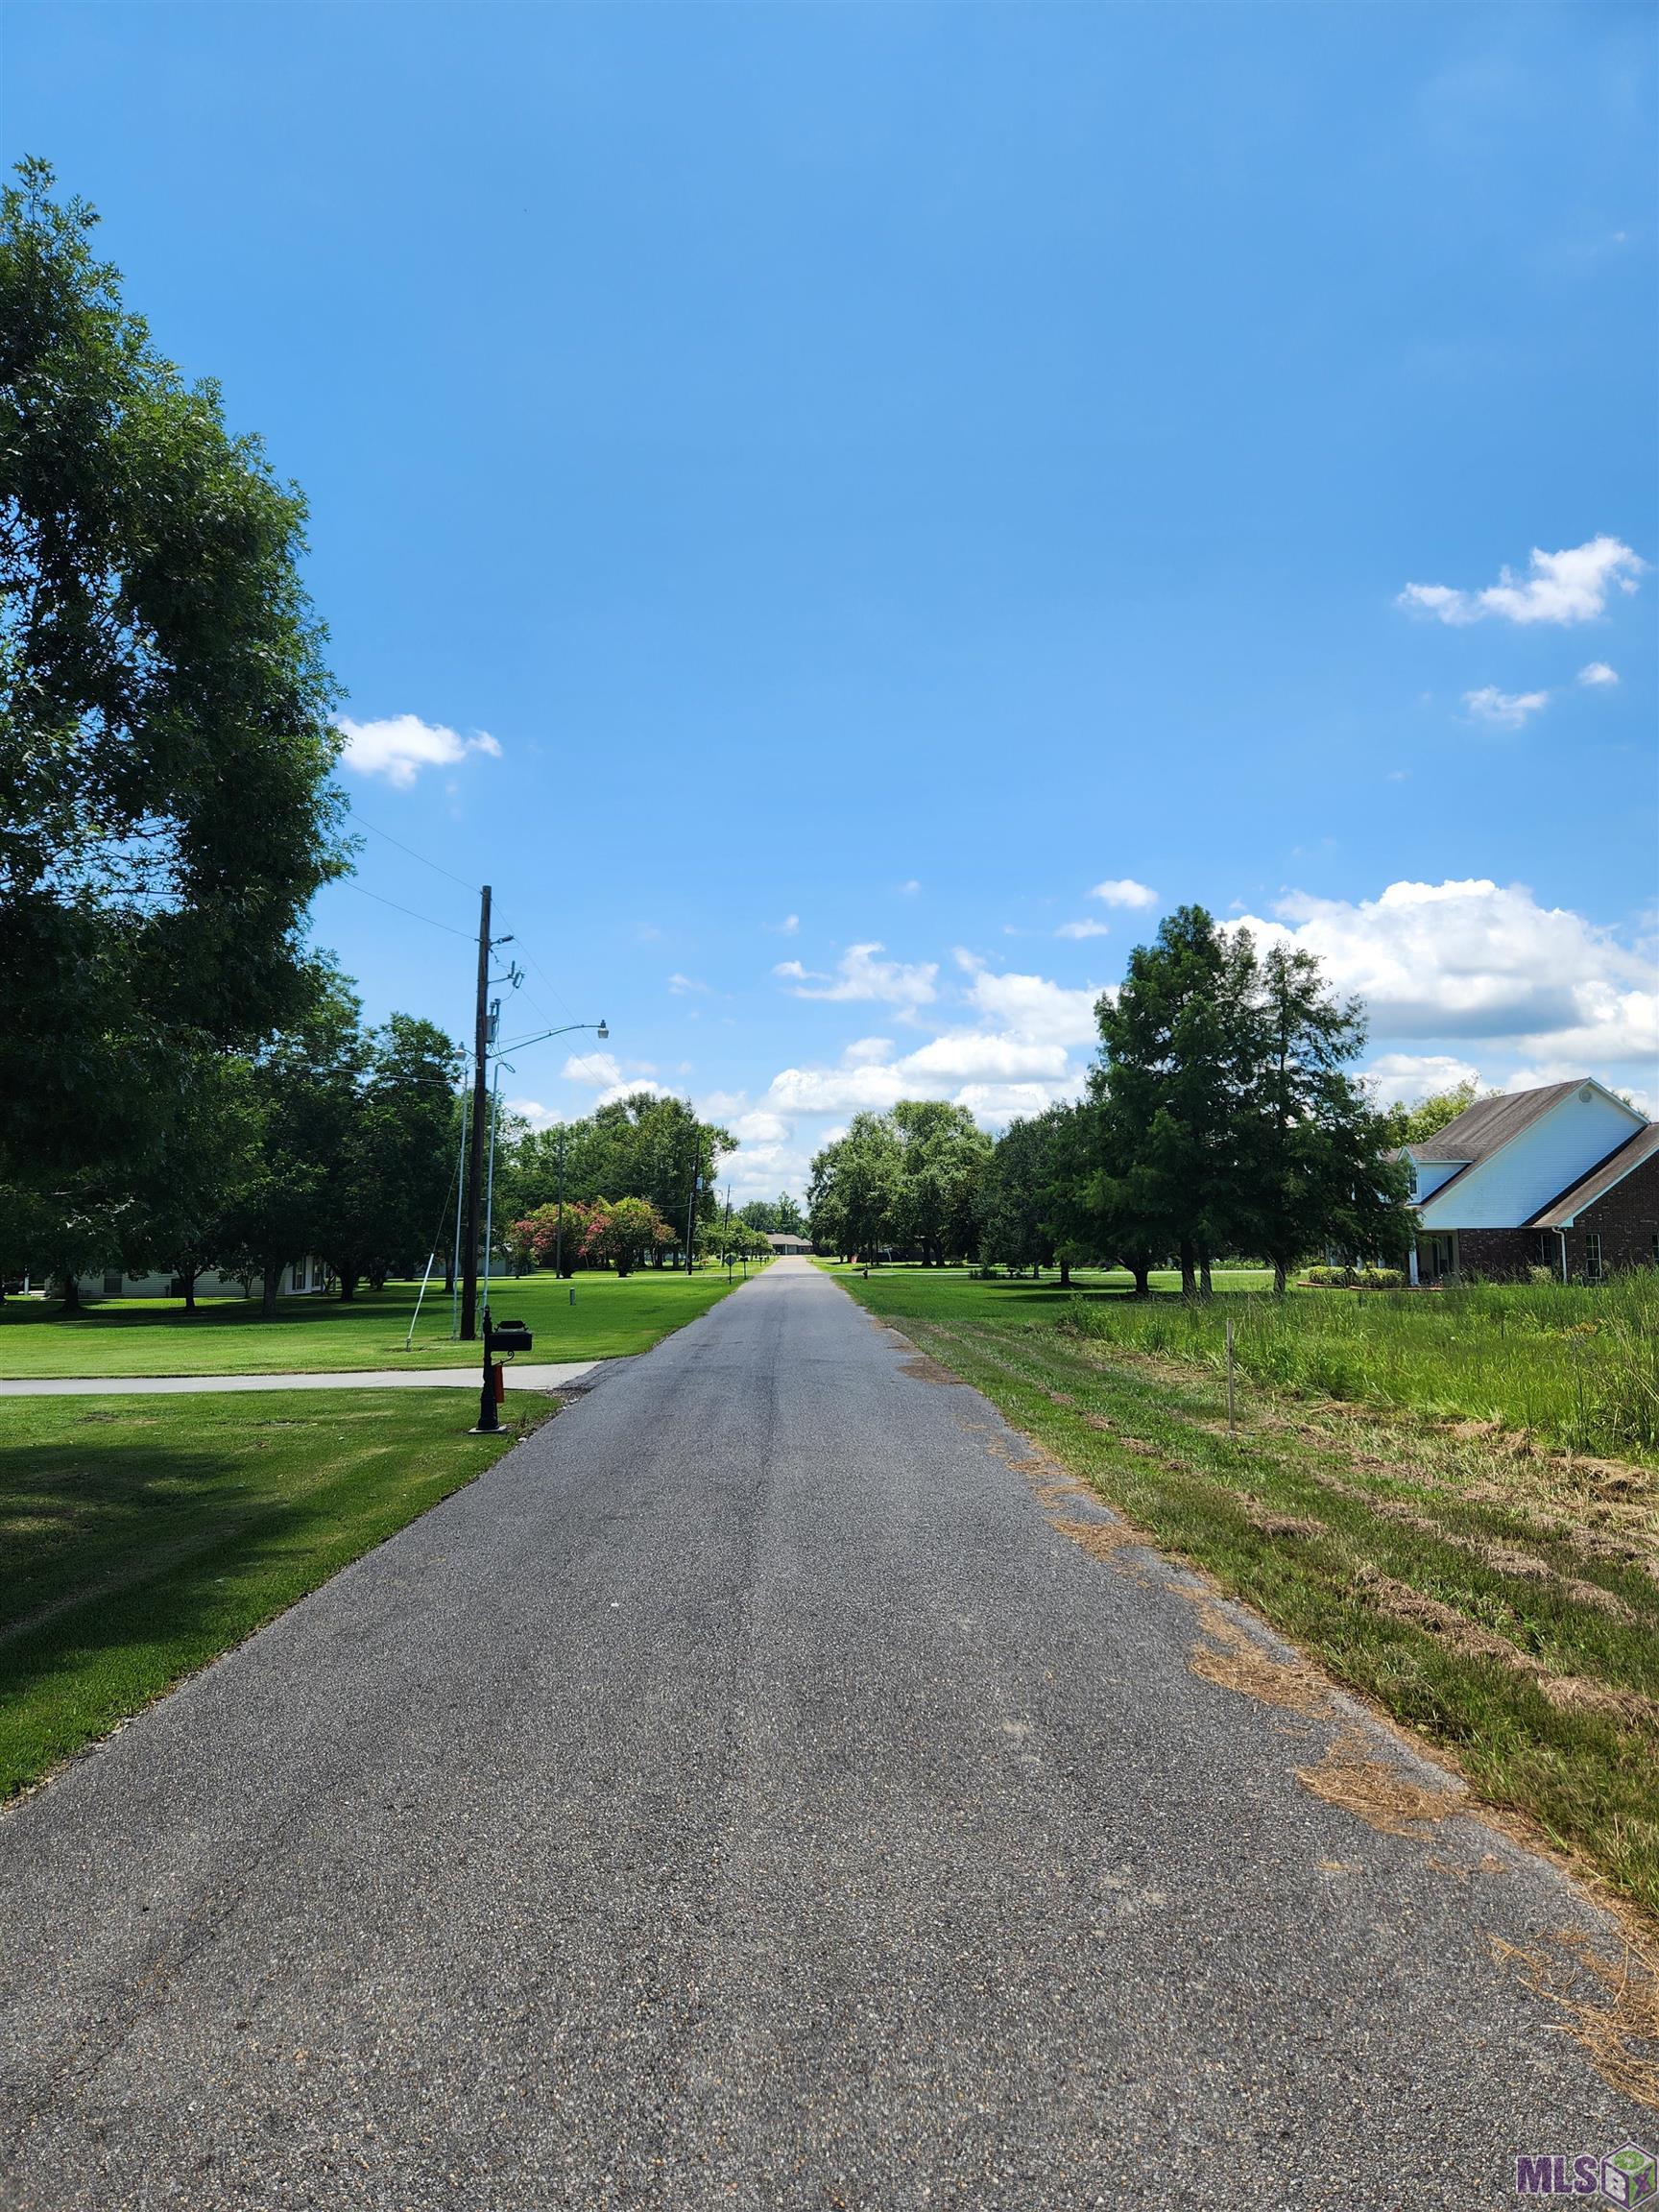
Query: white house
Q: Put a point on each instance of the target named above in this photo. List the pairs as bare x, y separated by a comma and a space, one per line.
1565, 1176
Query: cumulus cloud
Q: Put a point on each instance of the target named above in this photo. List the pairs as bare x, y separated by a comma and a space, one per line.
1033, 1008
1567, 586
860, 975
1505, 710
532, 1110
399, 747
1479, 959
599, 1068
1596, 672
1087, 927
1124, 891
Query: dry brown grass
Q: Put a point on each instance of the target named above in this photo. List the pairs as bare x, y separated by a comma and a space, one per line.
1237, 1660
1378, 1793
1620, 2026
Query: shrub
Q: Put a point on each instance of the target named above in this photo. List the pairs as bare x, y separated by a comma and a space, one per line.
1383, 1278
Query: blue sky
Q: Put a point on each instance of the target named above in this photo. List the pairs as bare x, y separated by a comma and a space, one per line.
802, 495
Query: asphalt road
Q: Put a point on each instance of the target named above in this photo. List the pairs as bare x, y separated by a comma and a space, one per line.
745, 1795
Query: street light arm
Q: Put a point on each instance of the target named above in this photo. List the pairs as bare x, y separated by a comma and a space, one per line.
519, 1044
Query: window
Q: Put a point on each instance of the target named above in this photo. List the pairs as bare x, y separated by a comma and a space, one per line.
111, 1282
1591, 1256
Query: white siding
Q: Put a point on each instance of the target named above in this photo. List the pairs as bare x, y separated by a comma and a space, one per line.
1546, 1159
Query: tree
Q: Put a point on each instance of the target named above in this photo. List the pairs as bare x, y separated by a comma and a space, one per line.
944, 1157
1174, 1069
306, 1087
1416, 1124
858, 1187
1314, 1147
1016, 1196
181, 1195
624, 1233
166, 718
381, 1202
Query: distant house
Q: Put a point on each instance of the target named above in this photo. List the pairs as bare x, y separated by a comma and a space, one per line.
1564, 1177
787, 1245
304, 1275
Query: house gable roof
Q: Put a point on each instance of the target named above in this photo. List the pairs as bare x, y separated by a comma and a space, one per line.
1560, 1211
1490, 1123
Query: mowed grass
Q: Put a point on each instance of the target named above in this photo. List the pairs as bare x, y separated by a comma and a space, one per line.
141, 1537
612, 1316
1500, 1597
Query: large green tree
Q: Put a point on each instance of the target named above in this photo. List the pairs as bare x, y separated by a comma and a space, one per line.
858, 1189
944, 1157
1175, 1069
1314, 1147
166, 739
382, 1204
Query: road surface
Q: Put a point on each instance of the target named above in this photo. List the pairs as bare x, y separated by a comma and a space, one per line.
745, 1795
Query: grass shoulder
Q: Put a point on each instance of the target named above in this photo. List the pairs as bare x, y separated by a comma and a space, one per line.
145, 1536
1500, 1597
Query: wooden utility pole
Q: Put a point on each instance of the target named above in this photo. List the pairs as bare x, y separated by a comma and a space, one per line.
476, 1150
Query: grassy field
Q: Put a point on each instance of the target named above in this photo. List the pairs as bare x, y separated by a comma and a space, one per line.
142, 1537
612, 1316
1501, 1597
1579, 1369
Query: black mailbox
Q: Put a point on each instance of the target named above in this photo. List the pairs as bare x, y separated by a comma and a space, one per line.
509, 1337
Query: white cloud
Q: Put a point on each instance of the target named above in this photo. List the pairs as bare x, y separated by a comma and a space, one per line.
909, 889
1598, 672
1567, 586
860, 975
1084, 928
627, 1087
603, 1071
681, 986
836, 1089
1032, 1007
400, 746
1124, 891
789, 924
1505, 710
533, 1111
867, 1051
1402, 1078
1478, 959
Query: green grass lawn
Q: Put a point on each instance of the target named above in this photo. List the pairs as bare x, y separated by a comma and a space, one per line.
1501, 1598
142, 1537
611, 1316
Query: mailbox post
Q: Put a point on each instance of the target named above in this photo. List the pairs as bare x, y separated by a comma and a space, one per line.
508, 1337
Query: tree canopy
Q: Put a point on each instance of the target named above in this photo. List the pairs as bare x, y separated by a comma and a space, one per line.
165, 715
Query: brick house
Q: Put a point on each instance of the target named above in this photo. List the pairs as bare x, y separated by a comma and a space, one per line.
1564, 1177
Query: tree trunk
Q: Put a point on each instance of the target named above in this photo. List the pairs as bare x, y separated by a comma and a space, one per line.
190, 1274
1142, 1270
1065, 1274
348, 1285
1279, 1276
449, 1274
1188, 1271
267, 1286
71, 1296
1206, 1288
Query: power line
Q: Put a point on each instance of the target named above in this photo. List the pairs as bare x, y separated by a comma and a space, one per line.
448, 926
581, 1058
434, 865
